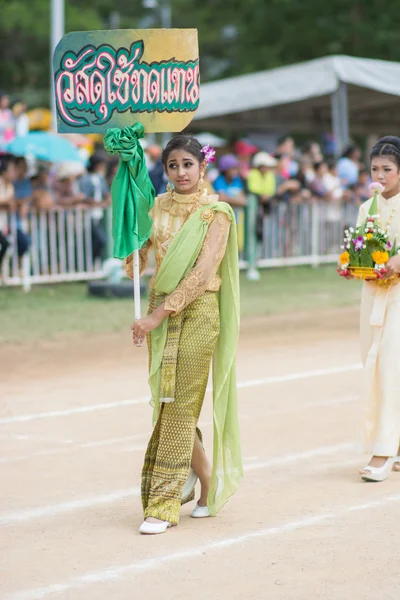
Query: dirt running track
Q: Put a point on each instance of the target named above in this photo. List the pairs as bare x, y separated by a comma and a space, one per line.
73, 427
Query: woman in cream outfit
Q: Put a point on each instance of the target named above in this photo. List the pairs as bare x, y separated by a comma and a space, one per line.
380, 325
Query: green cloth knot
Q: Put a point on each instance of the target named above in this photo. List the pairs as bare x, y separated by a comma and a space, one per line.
132, 191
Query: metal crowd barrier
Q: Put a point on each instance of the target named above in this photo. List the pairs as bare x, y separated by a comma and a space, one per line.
61, 241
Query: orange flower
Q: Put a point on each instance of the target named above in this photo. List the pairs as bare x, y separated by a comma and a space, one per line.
376, 257
380, 258
344, 258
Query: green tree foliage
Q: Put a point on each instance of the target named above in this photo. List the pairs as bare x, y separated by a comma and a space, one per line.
236, 36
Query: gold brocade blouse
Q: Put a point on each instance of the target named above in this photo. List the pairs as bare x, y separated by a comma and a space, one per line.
169, 215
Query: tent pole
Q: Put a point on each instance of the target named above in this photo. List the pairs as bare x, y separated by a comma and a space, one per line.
340, 117
335, 115
344, 112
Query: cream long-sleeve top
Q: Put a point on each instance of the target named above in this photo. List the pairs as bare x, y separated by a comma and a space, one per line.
169, 214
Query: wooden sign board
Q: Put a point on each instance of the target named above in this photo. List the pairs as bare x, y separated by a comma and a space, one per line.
115, 78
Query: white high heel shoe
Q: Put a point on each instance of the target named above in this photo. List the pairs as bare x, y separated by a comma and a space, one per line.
200, 512
147, 528
396, 462
378, 473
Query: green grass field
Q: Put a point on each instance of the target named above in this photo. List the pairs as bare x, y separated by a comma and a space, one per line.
66, 309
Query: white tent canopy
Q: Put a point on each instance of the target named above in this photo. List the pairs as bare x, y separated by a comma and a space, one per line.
307, 97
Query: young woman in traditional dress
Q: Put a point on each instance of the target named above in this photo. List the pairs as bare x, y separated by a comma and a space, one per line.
380, 325
193, 319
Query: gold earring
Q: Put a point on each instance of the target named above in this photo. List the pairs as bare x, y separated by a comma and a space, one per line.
170, 189
201, 183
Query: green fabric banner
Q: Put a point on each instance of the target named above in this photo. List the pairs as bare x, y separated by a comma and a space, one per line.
132, 191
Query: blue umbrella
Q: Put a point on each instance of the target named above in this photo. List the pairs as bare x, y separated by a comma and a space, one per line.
44, 146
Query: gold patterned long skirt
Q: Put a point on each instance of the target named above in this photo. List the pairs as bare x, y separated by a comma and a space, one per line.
168, 456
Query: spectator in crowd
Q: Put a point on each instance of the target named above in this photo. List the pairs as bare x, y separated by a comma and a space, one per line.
7, 132
22, 185
286, 187
244, 151
21, 120
228, 184
156, 169
7, 202
42, 191
95, 189
286, 149
328, 187
112, 168
332, 181
231, 189
283, 167
348, 166
23, 197
261, 186
319, 183
361, 189
66, 186
312, 151
306, 173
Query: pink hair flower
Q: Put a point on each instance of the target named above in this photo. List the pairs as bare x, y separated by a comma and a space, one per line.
377, 187
209, 154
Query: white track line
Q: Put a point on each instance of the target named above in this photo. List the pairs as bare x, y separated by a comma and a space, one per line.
66, 507
35, 438
282, 460
297, 376
241, 385
72, 411
300, 407
71, 447
115, 573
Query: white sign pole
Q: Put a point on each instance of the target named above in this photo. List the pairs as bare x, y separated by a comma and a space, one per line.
57, 11
136, 284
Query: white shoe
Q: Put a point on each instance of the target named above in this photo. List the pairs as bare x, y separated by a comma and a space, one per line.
253, 275
189, 486
397, 464
378, 473
153, 528
200, 512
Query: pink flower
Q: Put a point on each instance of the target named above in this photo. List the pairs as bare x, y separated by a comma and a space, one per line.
358, 243
389, 245
377, 187
209, 154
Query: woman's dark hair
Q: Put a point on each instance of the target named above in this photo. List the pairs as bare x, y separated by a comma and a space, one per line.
183, 142
94, 161
388, 146
348, 151
5, 160
331, 163
284, 138
319, 164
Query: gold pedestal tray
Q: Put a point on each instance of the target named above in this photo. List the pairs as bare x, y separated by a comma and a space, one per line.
369, 274
363, 273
